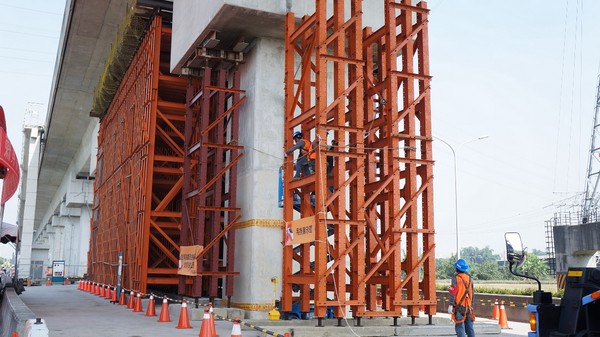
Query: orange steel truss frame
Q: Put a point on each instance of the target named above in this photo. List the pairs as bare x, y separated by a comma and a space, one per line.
137, 207
374, 215
210, 166
167, 175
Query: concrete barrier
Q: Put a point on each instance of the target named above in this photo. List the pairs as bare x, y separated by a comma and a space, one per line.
484, 304
16, 316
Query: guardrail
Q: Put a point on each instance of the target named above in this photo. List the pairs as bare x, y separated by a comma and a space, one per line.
483, 305
16, 316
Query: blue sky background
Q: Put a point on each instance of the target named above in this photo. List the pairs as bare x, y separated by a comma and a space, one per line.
29, 35
522, 72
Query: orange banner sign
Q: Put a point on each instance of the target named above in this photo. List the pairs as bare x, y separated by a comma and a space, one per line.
188, 256
300, 231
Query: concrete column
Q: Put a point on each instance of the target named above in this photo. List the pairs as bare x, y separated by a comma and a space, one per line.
259, 236
30, 165
82, 239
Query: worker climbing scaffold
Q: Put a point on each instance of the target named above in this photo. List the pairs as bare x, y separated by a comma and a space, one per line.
305, 163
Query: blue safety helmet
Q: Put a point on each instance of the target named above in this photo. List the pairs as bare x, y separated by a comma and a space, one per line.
298, 134
462, 265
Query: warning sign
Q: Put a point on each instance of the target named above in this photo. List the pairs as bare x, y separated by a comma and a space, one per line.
299, 231
187, 260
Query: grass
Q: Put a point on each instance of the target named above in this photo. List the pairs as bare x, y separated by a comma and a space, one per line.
506, 287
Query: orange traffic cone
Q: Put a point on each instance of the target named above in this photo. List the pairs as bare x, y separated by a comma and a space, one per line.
122, 299
98, 286
66, 282
184, 320
48, 283
88, 286
236, 331
496, 311
151, 311
138, 303
130, 304
113, 299
502, 318
14, 334
164, 311
107, 293
212, 320
102, 294
205, 328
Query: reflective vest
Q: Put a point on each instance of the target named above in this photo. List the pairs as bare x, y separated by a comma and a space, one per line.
308, 150
463, 297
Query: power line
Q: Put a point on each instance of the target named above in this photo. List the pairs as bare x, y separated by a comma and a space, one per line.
30, 34
23, 73
31, 9
28, 50
25, 59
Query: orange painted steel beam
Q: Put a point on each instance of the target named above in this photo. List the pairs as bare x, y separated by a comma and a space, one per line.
402, 165
374, 215
314, 104
140, 169
209, 209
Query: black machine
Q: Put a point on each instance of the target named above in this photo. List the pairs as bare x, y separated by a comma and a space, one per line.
578, 314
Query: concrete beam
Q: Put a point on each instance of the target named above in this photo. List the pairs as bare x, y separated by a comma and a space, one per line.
87, 34
576, 246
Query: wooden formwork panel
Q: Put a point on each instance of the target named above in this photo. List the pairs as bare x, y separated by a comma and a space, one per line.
374, 214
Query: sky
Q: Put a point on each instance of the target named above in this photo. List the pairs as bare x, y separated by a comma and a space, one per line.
29, 35
522, 73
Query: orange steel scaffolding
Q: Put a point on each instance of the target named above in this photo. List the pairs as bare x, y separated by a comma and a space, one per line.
167, 175
210, 166
137, 207
374, 213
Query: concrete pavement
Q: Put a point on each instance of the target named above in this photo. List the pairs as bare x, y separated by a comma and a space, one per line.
71, 312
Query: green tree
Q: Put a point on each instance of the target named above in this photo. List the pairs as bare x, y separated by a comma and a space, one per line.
533, 266
479, 255
444, 268
538, 252
486, 271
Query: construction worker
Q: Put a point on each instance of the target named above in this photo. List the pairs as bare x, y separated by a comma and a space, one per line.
461, 300
303, 165
331, 147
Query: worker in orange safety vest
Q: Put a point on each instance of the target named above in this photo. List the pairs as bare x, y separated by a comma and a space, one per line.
303, 163
461, 300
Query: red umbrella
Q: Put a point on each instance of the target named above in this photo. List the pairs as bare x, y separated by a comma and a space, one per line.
9, 165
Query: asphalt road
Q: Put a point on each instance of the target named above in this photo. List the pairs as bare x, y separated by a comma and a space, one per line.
68, 311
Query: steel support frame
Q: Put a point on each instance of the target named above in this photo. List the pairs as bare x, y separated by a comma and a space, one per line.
211, 159
399, 176
328, 270
140, 176
374, 217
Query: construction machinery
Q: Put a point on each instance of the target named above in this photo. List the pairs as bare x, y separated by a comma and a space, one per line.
577, 315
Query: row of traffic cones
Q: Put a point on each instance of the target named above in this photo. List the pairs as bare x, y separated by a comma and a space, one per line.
499, 313
135, 302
